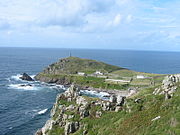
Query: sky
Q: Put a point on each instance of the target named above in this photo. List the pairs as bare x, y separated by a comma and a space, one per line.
98, 24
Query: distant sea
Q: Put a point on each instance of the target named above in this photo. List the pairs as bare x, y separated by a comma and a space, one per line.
25, 109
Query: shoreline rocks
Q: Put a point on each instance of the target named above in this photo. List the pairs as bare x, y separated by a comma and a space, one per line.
26, 77
70, 108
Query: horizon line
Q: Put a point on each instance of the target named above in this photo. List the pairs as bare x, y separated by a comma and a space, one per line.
113, 49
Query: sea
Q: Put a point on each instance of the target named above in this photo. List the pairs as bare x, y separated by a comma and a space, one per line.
25, 106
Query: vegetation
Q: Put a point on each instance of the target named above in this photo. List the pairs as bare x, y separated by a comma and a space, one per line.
66, 71
139, 120
136, 117
72, 65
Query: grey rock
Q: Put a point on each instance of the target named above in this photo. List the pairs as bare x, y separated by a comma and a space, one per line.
26, 77
81, 101
71, 127
118, 108
39, 132
84, 112
113, 99
98, 114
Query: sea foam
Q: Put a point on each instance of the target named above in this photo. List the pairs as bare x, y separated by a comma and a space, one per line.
23, 86
43, 111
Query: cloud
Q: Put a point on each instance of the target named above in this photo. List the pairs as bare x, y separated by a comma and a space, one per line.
62, 13
117, 20
4, 25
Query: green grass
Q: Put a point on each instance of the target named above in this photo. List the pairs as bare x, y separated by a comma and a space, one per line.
72, 65
138, 121
56, 130
86, 81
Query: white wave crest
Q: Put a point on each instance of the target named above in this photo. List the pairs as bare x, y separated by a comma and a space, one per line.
43, 111
95, 93
23, 86
16, 77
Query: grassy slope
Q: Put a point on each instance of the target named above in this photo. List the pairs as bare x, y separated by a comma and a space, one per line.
75, 64
68, 67
138, 121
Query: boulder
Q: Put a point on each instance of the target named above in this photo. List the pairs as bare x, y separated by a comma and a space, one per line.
120, 100
39, 132
98, 114
81, 101
106, 106
118, 108
132, 91
72, 93
83, 111
26, 77
71, 127
113, 99
168, 86
48, 126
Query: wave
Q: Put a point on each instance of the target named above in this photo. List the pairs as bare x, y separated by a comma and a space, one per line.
92, 93
43, 111
23, 86
17, 78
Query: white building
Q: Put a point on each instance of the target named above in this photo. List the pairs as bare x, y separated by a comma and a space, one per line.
140, 77
81, 73
98, 73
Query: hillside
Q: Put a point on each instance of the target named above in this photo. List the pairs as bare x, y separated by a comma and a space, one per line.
153, 111
72, 65
90, 74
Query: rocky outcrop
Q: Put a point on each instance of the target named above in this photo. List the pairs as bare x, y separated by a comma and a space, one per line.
26, 77
169, 86
71, 127
70, 108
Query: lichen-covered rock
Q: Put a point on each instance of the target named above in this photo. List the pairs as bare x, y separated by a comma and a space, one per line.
70, 108
83, 111
48, 126
113, 99
98, 114
39, 132
118, 108
72, 92
81, 101
132, 91
71, 127
168, 86
120, 100
106, 106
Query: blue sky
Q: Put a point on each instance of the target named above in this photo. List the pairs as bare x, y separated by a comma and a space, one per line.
101, 24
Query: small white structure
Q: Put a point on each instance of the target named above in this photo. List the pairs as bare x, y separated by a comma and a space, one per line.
140, 77
158, 117
81, 73
98, 73
117, 81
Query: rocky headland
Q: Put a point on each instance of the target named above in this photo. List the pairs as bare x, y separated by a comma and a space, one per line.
149, 105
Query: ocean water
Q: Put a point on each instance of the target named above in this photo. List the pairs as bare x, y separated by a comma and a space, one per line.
25, 109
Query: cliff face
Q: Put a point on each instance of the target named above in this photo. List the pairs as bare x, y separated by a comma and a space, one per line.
71, 109
148, 112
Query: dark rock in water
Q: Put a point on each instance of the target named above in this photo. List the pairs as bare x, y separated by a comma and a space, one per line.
24, 85
26, 77
39, 132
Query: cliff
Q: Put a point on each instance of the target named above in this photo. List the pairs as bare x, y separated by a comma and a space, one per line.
152, 111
